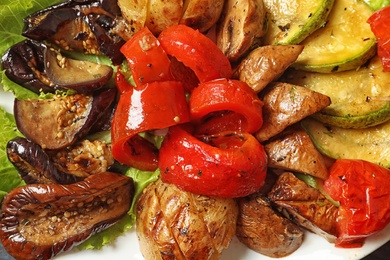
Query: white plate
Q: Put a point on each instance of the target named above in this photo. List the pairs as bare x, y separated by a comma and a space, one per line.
313, 247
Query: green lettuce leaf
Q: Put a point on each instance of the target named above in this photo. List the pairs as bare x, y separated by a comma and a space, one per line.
9, 177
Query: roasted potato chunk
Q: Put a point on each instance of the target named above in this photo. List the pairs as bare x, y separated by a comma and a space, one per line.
240, 27
201, 14
158, 15
261, 229
265, 64
293, 150
179, 225
285, 105
307, 206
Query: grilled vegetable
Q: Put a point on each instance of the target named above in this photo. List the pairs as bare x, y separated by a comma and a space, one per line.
40, 221
158, 15
201, 14
265, 64
363, 190
307, 206
58, 122
34, 164
370, 144
379, 24
263, 230
84, 158
290, 22
39, 68
179, 225
344, 43
360, 98
240, 27
286, 104
87, 26
293, 150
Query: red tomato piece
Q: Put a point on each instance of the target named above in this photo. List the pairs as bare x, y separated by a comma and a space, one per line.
363, 190
380, 25
147, 59
156, 105
223, 165
224, 95
196, 51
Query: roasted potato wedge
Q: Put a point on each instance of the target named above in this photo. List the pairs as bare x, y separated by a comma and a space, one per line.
240, 27
307, 206
293, 150
179, 225
263, 230
135, 13
160, 14
163, 14
265, 64
285, 105
201, 14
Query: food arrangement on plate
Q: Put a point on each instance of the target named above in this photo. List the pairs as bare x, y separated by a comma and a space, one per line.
196, 126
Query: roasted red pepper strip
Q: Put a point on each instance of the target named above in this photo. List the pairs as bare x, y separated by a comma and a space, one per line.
224, 165
226, 95
380, 25
147, 59
363, 190
195, 51
155, 105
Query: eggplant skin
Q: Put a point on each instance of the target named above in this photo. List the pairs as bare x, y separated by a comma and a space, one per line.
40, 221
34, 164
173, 224
59, 122
85, 25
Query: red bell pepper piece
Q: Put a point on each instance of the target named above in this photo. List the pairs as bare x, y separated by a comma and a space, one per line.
196, 51
363, 190
154, 105
241, 106
224, 165
380, 25
147, 59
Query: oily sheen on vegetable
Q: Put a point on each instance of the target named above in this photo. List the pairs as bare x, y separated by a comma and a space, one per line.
379, 23
362, 188
219, 156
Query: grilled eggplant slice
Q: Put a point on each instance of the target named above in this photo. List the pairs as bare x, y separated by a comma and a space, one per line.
84, 158
66, 166
39, 68
59, 122
42, 220
34, 164
86, 25
305, 205
173, 224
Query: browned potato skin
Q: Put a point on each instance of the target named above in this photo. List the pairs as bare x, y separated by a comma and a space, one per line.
240, 27
261, 229
201, 14
173, 224
160, 14
293, 150
305, 205
286, 104
265, 64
